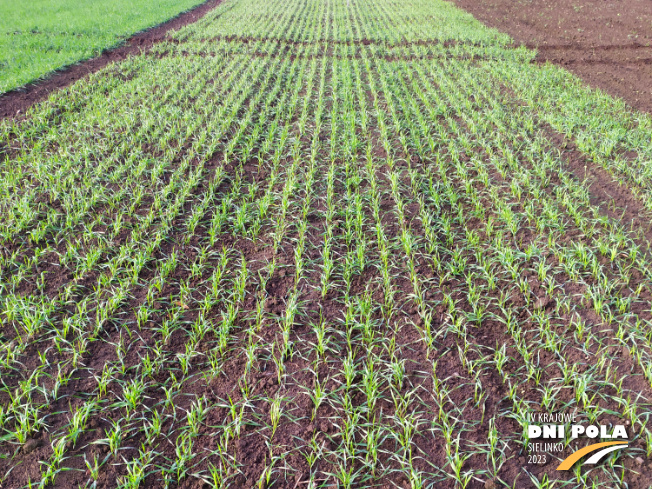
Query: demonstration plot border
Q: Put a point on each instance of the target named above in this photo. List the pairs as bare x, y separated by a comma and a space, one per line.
15, 102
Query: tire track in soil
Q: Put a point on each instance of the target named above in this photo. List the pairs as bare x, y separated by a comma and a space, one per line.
614, 199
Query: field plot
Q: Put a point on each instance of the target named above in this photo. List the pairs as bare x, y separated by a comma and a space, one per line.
607, 43
312, 244
40, 36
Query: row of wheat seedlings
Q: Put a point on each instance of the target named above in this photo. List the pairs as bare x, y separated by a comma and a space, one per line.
125, 280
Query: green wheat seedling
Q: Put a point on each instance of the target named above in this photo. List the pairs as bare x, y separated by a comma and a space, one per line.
357, 234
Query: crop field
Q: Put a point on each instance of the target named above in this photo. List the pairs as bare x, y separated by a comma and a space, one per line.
304, 244
607, 43
40, 36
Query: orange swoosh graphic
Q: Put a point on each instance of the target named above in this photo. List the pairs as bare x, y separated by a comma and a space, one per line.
574, 457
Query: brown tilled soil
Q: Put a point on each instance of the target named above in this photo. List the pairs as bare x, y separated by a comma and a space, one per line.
17, 101
607, 43
304, 368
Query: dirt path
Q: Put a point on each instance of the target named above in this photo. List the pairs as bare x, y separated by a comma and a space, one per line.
607, 43
17, 101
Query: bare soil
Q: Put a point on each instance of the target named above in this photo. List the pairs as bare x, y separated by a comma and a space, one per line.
17, 101
607, 43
